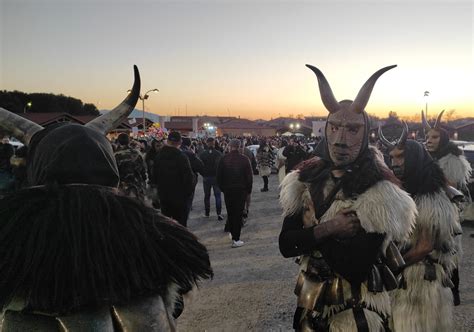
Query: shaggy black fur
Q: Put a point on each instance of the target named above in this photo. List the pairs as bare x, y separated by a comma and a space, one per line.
67, 247
421, 175
360, 176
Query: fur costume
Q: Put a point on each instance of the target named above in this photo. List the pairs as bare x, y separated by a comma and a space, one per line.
382, 207
425, 302
455, 166
75, 255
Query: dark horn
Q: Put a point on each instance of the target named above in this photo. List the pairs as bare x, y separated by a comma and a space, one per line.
107, 122
424, 122
385, 141
327, 96
17, 126
438, 120
359, 103
403, 137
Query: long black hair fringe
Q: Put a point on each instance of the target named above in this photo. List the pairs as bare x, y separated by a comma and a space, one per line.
69, 247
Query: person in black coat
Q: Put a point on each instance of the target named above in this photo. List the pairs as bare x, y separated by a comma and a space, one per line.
196, 165
234, 177
174, 179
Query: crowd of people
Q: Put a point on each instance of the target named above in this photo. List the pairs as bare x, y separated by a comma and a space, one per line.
377, 235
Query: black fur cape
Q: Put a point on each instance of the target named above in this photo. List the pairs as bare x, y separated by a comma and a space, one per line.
63, 248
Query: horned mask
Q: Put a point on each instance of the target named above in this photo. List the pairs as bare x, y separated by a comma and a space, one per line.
71, 153
396, 150
347, 122
436, 136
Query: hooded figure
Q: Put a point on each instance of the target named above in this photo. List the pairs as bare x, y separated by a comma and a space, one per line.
75, 254
457, 171
341, 211
424, 301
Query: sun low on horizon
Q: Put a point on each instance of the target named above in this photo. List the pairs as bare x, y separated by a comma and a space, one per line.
242, 59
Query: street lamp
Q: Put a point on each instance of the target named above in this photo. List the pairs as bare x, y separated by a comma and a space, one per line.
426, 95
142, 98
28, 104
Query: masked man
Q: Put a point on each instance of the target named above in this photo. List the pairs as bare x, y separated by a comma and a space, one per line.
75, 254
341, 212
424, 301
457, 171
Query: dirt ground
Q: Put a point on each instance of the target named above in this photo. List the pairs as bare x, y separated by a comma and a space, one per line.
253, 285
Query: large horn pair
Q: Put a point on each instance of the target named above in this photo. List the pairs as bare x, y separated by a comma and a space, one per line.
427, 126
400, 143
24, 129
358, 105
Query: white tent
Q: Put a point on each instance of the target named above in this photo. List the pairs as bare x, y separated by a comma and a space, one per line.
287, 134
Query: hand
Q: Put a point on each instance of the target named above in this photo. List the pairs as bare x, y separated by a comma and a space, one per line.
344, 225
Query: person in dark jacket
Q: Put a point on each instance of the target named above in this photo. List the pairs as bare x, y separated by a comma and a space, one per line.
234, 177
196, 165
173, 179
210, 157
294, 154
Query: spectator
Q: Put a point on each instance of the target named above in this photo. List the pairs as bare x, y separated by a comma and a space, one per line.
131, 168
210, 158
294, 154
173, 177
234, 177
265, 163
196, 165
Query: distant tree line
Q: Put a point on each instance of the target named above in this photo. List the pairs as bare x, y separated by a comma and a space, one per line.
19, 102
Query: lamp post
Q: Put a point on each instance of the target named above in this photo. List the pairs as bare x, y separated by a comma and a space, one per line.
426, 95
28, 104
142, 98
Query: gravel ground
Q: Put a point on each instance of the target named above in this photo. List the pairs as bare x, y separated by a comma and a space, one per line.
253, 285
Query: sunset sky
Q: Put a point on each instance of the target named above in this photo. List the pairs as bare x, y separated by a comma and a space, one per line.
242, 58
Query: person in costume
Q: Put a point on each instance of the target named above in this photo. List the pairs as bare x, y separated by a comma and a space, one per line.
75, 254
342, 212
457, 171
424, 301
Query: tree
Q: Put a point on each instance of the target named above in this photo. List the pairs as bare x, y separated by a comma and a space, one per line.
16, 102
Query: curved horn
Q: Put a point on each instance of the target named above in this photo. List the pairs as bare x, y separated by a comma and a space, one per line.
403, 137
438, 120
114, 118
359, 103
424, 122
327, 96
17, 126
385, 141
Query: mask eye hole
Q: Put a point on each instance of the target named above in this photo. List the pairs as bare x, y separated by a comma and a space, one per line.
334, 128
353, 130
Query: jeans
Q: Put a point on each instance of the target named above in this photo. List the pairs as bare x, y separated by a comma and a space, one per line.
207, 183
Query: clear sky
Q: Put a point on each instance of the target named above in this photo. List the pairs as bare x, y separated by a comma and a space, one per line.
242, 58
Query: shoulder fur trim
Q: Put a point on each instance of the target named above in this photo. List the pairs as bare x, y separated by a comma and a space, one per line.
291, 193
437, 214
456, 169
385, 208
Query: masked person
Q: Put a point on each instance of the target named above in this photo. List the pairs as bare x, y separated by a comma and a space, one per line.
424, 301
457, 171
342, 211
78, 256
265, 161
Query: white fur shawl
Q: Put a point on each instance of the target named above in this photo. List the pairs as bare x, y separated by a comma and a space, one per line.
456, 169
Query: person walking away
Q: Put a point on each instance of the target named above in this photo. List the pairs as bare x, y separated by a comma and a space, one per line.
265, 163
234, 177
253, 162
196, 165
210, 157
152, 194
173, 179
